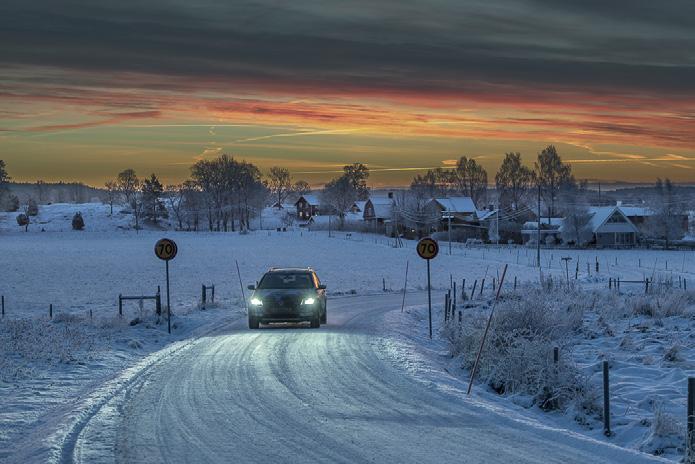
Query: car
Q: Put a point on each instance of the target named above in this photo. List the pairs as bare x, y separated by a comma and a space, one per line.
288, 295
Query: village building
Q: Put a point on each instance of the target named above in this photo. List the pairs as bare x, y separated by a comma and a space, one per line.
307, 206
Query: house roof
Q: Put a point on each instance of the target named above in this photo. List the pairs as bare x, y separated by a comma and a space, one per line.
600, 215
382, 210
313, 200
555, 224
635, 211
485, 214
457, 204
360, 205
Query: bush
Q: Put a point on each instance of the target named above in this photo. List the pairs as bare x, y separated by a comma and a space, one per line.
663, 304
77, 221
518, 355
23, 221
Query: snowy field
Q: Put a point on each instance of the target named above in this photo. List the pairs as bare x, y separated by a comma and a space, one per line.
46, 364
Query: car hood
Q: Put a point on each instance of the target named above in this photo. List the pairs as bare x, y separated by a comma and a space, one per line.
271, 293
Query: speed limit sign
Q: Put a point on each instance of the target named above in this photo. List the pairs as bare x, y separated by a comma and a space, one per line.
427, 248
166, 249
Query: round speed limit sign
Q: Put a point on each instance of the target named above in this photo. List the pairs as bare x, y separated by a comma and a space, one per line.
427, 248
166, 249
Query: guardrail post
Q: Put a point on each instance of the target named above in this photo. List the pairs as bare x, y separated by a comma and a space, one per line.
606, 402
50, 311
213, 293
158, 302
120, 305
2, 299
202, 297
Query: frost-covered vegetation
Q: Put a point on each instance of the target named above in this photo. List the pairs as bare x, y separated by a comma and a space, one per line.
647, 339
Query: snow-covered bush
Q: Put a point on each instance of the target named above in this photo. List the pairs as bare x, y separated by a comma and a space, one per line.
662, 304
518, 355
23, 221
666, 432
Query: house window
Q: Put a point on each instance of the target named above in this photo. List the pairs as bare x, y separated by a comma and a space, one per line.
616, 218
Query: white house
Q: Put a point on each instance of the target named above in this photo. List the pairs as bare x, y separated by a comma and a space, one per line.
611, 227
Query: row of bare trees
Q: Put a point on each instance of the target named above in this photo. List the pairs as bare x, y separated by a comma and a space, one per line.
222, 194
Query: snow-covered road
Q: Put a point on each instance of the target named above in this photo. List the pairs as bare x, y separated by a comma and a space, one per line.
293, 394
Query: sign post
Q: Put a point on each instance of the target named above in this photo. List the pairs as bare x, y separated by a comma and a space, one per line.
166, 250
427, 249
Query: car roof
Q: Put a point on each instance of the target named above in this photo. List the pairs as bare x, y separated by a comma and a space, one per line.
291, 269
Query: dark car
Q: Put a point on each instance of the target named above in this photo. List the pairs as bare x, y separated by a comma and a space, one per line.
288, 295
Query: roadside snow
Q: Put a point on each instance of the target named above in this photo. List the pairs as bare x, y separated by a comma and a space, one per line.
650, 360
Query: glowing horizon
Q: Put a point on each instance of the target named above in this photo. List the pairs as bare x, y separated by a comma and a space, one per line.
298, 88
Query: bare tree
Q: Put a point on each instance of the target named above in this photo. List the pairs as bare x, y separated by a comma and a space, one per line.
552, 175
669, 212
576, 226
128, 184
410, 211
112, 192
280, 183
301, 187
513, 181
470, 179
340, 194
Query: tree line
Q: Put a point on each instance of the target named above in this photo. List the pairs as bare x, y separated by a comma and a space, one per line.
222, 194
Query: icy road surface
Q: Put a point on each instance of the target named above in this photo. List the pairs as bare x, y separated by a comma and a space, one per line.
293, 394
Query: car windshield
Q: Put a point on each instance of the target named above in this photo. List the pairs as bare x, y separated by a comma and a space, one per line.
286, 280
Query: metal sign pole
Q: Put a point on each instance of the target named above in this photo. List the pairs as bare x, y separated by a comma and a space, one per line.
429, 296
168, 301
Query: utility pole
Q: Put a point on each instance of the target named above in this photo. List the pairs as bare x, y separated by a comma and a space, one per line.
538, 245
449, 227
497, 226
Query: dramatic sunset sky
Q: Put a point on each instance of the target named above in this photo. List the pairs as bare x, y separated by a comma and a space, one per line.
88, 88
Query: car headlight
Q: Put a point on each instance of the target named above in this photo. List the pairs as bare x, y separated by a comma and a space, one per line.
256, 302
309, 301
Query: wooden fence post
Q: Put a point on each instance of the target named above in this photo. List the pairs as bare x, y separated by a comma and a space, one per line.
120, 305
50, 311
213, 293
203, 297
2, 298
482, 286
606, 402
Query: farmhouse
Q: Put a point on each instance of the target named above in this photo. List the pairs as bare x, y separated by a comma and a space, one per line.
378, 211
611, 227
308, 206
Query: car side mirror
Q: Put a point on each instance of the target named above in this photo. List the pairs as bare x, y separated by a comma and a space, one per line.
322, 287
252, 287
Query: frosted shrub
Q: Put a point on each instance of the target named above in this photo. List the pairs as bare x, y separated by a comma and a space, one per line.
663, 304
666, 432
518, 354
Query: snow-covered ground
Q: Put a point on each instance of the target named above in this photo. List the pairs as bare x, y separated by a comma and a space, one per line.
650, 359
47, 364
